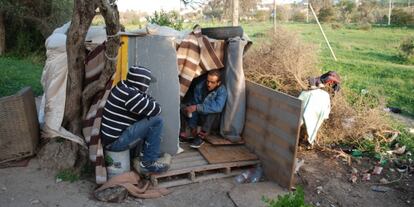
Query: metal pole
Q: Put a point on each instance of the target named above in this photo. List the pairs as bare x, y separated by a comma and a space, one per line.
274, 16
323, 33
307, 12
389, 13
235, 12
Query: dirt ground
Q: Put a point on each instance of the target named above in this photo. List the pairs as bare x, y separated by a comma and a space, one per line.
324, 178
32, 186
326, 181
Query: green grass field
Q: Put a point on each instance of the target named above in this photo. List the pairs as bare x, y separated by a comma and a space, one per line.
366, 59
16, 73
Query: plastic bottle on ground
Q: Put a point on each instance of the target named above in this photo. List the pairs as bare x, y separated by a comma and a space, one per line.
256, 175
244, 176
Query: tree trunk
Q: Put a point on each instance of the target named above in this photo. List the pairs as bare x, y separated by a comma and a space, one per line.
111, 17
2, 34
83, 13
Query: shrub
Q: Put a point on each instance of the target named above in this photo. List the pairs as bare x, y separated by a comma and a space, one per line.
364, 26
285, 63
262, 16
326, 14
402, 18
299, 17
407, 49
170, 19
336, 25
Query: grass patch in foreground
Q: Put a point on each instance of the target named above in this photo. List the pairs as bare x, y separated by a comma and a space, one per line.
16, 74
292, 199
68, 175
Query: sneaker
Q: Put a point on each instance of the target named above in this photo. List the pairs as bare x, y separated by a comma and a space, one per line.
184, 138
153, 167
197, 143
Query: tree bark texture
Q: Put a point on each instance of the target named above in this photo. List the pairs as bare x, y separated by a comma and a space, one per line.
78, 100
83, 13
111, 17
2, 34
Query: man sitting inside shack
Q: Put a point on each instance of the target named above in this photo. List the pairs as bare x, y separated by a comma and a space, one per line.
131, 115
204, 108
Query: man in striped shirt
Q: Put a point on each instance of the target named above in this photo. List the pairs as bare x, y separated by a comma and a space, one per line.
131, 115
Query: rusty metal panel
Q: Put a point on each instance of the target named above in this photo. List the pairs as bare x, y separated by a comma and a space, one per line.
272, 131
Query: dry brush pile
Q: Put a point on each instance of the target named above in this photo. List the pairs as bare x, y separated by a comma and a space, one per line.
284, 62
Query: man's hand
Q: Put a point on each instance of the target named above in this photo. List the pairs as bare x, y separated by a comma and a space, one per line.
191, 109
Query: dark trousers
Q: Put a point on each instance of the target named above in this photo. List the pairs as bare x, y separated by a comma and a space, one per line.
208, 122
146, 132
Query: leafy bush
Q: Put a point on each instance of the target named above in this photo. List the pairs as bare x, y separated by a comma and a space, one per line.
326, 14
262, 15
407, 49
294, 199
170, 19
346, 8
299, 17
402, 18
364, 26
336, 26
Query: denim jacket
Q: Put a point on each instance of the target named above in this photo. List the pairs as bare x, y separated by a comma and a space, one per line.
213, 102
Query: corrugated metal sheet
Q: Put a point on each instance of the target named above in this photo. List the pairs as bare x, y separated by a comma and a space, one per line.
158, 54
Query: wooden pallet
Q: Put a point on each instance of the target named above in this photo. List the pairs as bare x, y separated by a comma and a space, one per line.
217, 140
226, 153
190, 167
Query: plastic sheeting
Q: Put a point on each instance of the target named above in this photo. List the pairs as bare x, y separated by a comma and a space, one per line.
316, 106
54, 82
233, 116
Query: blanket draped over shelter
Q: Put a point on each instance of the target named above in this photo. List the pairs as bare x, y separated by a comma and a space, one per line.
92, 122
196, 55
232, 121
316, 106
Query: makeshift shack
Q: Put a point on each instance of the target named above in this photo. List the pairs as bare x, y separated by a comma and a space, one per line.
267, 120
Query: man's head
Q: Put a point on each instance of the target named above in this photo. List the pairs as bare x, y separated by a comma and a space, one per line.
213, 79
139, 77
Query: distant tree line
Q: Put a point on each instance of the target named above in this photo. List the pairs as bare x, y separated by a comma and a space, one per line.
25, 24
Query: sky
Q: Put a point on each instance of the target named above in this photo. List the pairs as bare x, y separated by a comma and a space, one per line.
150, 6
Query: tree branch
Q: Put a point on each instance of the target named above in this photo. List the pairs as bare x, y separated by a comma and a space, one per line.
111, 16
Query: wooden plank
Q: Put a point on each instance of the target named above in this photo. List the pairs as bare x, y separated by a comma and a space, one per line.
272, 130
189, 159
184, 165
174, 183
267, 126
268, 92
218, 140
186, 154
199, 178
207, 167
223, 154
